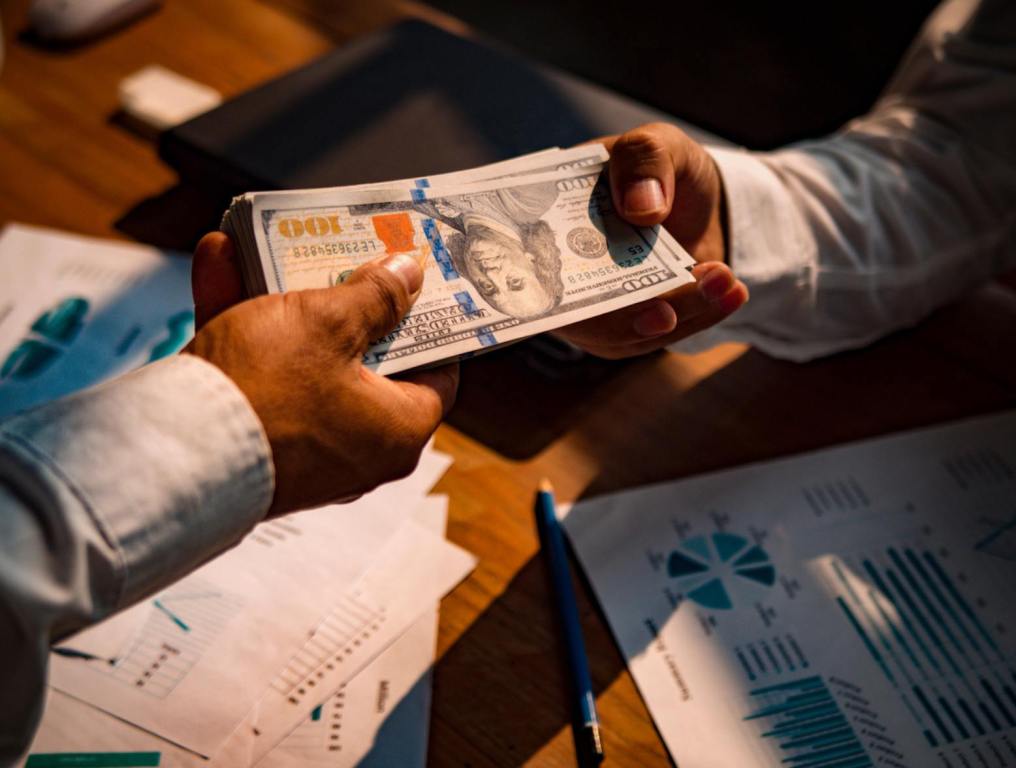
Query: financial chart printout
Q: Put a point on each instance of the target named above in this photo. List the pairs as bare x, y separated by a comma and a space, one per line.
842, 609
75, 311
191, 662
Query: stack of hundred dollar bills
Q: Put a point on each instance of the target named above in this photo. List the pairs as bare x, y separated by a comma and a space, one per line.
509, 250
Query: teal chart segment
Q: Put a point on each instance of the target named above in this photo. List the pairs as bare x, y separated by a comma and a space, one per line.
1000, 542
179, 330
50, 335
705, 567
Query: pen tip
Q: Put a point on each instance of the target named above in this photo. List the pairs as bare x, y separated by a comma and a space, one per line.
545, 486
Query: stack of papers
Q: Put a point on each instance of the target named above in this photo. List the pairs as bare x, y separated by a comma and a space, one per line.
309, 643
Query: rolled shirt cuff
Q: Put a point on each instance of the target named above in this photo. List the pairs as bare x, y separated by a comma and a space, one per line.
170, 462
770, 249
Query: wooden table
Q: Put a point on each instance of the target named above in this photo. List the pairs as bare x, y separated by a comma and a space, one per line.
499, 694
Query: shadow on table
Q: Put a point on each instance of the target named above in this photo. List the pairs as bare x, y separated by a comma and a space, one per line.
176, 218
510, 716
754, 408
519, 400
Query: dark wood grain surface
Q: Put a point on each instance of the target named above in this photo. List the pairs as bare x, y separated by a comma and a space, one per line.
67, 161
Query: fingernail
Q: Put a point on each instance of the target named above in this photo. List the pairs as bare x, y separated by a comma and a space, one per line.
655, 321
643, 196
715, 284
407, 269
732, 300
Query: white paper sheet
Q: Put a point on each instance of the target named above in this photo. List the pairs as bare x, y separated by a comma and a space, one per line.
250, 609
76, 310
370, 736
415, 569
71, 727
382, 716
835, 609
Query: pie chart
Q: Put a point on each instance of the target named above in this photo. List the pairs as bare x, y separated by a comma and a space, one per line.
708, 566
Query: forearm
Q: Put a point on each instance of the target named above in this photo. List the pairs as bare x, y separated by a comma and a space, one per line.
856, 239
845, 239
109, 495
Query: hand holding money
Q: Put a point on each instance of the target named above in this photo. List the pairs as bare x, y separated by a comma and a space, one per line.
660, 176
336, 431
509, 251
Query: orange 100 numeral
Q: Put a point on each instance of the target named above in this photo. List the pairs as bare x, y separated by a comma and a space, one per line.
316, 226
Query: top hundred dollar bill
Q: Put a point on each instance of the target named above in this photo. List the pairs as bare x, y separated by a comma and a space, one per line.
509, 251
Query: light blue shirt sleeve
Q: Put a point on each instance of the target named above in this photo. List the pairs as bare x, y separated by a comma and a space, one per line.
107, 496
844, 239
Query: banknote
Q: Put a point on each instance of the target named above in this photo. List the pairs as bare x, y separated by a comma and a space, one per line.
530, 248
238, 221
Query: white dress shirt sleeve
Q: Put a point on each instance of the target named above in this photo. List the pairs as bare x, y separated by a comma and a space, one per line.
108, 495
845, 239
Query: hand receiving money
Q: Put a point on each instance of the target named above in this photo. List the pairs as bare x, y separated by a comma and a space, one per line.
509, 251
660, 176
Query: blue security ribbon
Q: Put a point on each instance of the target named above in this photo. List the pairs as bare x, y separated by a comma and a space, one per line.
466, 302
437, 247
469, 308
486, 337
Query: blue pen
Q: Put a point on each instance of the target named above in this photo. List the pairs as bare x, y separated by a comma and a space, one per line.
587, 731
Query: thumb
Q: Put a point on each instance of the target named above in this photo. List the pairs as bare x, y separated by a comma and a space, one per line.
643, 166
377, 295
215, 278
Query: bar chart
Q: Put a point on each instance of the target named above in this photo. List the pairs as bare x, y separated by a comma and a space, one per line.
806, 725
347, 626
928, 639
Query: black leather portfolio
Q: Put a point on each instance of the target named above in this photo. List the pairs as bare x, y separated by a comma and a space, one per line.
411, 100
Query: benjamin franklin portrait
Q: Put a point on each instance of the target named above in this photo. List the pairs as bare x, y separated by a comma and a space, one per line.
503, 247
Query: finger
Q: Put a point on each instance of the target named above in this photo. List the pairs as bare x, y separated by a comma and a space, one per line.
659, 175
643, 165
630, 325
656, 317
718, 310
417, 402
442, 382
376, 297
215, 277
713, 281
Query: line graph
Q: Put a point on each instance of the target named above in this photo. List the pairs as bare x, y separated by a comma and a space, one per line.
179, 627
